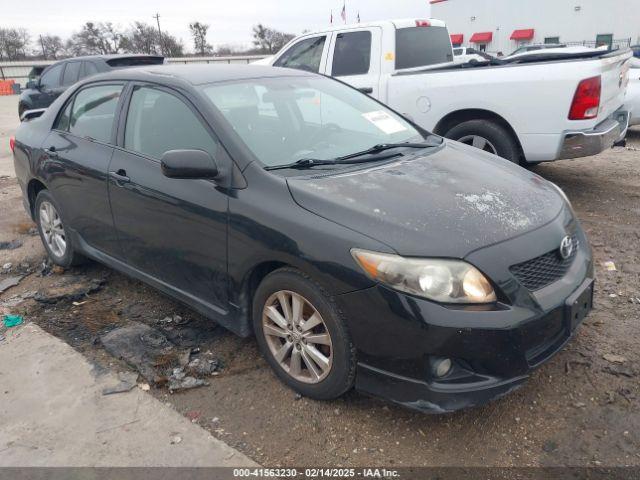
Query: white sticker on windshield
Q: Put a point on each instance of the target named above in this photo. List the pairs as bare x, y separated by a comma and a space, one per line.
384, 122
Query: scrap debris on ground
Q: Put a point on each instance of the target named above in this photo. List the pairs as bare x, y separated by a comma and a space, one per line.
157, 359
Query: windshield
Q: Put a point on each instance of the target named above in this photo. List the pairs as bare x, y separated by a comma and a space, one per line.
283, 120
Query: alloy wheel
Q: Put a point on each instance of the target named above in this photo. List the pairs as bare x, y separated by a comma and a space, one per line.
479, 142
297, 336
52, 229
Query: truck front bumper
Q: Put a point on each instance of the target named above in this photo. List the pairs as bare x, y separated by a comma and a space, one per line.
584, 143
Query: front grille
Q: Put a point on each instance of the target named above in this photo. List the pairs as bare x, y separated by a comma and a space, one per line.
541, 271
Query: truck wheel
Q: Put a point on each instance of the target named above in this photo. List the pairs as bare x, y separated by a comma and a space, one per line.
487, 135
303, 336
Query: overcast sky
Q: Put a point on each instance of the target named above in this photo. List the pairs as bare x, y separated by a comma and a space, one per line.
230, 20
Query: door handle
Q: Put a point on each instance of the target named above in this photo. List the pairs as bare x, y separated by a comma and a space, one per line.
367, 90
120, 176
51, 152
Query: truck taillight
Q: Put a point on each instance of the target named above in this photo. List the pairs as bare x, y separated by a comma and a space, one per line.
586, 101
12, 143
423, 23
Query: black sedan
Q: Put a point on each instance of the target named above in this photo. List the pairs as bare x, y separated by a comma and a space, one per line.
357, 248
56, 78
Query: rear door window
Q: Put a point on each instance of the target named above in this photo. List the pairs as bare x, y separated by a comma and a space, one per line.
352, 54
304, 55
71, 73
93, 112
51, 78
422, 47
158, 121
88, 68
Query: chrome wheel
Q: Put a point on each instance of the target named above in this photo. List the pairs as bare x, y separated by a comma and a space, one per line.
297, 336
52, 230
479, 142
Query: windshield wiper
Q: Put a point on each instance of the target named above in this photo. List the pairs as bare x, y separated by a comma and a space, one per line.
314, 162
353, 158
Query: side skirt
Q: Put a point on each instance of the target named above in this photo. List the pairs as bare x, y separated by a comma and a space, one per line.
228, 319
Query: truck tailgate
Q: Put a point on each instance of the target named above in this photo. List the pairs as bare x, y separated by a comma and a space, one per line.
615, 78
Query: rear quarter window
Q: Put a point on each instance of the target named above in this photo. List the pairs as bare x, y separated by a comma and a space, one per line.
422, 47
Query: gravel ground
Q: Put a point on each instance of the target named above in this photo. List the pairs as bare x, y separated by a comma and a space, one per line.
579, 409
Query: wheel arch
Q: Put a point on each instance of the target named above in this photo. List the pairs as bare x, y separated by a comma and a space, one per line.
34, 187
459, 116
249, 286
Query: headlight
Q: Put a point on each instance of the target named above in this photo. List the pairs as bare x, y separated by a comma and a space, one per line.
446, 281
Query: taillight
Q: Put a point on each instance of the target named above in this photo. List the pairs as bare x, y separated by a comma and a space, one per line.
12, 143
423, 23
586, 101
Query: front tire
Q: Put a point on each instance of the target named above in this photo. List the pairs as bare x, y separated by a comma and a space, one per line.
302, 335
487, 135
53, 233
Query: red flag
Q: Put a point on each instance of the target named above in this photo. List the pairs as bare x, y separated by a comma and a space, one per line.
344, 12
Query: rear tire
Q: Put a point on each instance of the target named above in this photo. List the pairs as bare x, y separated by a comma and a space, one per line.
299, 344
53, 232
487, 135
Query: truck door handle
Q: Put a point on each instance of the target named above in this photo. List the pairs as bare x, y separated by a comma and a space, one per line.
51, 152
120, 177
367, 90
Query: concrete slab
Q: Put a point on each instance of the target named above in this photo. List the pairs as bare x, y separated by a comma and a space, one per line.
54, 414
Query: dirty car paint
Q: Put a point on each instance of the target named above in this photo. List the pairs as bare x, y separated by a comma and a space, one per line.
446, 203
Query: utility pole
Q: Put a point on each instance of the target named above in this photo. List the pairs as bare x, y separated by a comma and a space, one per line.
157, 17
44, 53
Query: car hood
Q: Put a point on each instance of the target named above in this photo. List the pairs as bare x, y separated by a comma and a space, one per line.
443, 203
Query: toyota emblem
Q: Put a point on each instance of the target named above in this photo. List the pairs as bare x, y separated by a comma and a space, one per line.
566, 247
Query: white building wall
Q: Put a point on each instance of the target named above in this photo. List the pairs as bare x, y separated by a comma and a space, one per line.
571, 20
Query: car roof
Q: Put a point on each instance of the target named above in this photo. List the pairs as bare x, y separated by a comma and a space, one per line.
199, 74
108, 57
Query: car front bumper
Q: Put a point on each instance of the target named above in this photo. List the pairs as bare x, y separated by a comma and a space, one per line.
493, 349
584, 143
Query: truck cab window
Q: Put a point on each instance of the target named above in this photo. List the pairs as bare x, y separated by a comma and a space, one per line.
352, 55
304, 55
422, 47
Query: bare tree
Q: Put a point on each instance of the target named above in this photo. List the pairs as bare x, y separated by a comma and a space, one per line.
144, 38
96, 39
269, 40
52, 46
172, 46
199, 34
226, 49
14, 43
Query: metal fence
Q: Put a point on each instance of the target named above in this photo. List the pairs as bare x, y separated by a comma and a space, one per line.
19, 70
615, 44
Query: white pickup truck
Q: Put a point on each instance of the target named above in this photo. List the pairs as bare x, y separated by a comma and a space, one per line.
529, 110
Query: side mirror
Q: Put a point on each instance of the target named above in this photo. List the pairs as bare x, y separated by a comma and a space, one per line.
193, 164
32, 84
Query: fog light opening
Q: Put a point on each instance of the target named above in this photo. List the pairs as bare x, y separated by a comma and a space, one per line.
442, 367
